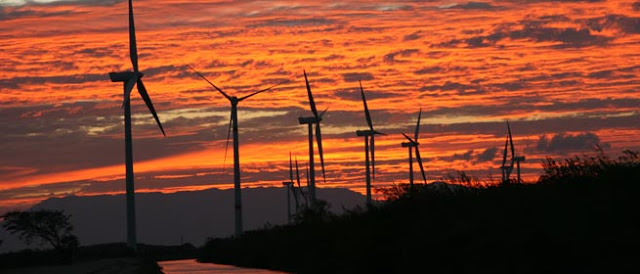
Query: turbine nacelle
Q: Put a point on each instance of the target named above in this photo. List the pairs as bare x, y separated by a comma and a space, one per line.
123, 76
519, 159
309, 120
287, 183
410, 144
366, 132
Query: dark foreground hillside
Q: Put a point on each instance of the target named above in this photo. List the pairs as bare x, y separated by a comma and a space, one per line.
580, 217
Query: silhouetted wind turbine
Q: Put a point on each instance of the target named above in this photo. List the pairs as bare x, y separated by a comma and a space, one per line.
236, 151
130, 79
506, 170
369, 137
290, 187
310, 121
306, 199
413, 143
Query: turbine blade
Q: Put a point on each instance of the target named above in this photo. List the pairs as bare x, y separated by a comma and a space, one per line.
128, 88
290, 168
260, 91
226, 146
373, 157
133, 48
420, 163
511, 141
366, 109
319, 141
306, 200
323, 112
408, 138
504, 156
147, 100
213, 85
415, 136
311, 102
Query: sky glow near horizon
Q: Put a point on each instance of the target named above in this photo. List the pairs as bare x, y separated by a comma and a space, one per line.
565, 73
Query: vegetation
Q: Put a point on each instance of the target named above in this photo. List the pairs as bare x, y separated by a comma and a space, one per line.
149, 254
47, 226
580, 217
53, 227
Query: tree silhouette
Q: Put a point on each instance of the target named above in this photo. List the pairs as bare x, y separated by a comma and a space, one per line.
48, 226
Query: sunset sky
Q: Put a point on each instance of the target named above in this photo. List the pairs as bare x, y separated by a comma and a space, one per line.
565, 73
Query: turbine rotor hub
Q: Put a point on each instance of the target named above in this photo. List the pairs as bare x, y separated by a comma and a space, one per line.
123, 76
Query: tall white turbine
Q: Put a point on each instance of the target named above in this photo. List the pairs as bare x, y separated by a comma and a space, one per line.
236, 151
369, 146
310, 121
129, 80
413, 144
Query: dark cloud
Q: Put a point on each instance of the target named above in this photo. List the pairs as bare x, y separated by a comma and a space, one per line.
487, 155
628, 25
580, 123
533, 105
559, 1
72, 2
166, 70
353, 94
453, 86
52, 138
473, 6
471, 155
536, 30
413, 36
463, 156
333, 57
565, 142
308, 22
7, 14
391, 57
636, 6
441, 68
355, 76
17, 82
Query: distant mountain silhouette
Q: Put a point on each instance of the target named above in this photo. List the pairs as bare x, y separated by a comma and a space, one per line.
181, 217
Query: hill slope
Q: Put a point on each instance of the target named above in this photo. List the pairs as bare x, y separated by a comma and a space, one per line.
171, 219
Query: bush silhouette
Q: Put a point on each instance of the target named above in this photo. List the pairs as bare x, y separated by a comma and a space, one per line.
48, 226
579, 217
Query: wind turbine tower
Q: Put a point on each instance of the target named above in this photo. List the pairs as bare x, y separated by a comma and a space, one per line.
130, 79
507, 169
310, 121
413, 145
290, 187
369, 146
233, 100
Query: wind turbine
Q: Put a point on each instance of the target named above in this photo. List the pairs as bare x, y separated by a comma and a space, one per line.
236, 151
290, 187
368, 138
413, 143
310, 121
130, 79
507, 169
306, 199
